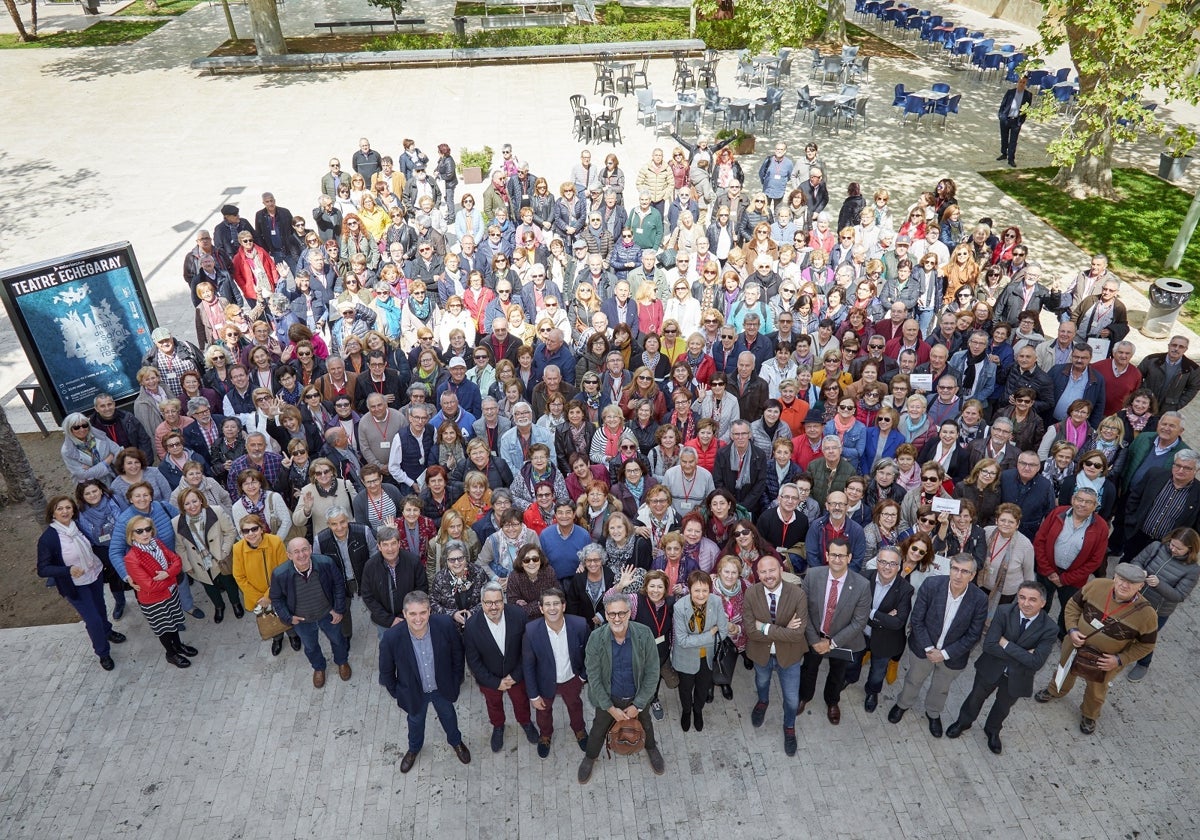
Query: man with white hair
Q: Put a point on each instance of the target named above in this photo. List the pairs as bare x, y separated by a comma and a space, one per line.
515, 443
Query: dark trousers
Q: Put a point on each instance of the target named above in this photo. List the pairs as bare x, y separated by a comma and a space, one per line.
89, 603
309, 632
1149, 657
833, 682
1009, 131
570, 692
348, 619
446, 715
494, 700
223, 584
1064, 594
876, 671
980, 691
604, 721
694, 688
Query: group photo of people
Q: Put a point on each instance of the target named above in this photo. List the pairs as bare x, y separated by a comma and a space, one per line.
627, 431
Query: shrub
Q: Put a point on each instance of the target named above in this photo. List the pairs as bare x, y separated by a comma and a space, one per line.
482, 158
612, 13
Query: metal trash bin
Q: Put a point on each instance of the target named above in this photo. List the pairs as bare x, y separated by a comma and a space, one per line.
1167, 297
460, 26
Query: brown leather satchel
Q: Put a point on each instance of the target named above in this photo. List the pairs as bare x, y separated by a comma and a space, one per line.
626, 737
1087, 665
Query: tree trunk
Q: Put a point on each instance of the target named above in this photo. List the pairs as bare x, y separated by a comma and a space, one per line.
268, 34
22, 483
1091, 173
835, 23
22, 35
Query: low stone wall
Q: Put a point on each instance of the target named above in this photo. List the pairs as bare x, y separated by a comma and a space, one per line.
1022, 12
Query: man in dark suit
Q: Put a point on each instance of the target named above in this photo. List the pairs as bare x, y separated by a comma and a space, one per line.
947, 621
493, 640
741, 468
1017, 645
421, 663
273, 229
1166, 500
887, 622
549, 673
388, 578
1012, 110
776, 614
838, 602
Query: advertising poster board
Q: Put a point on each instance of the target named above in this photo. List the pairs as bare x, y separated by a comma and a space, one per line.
84, 321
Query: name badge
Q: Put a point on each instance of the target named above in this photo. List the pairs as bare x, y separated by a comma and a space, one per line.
385, 444
1097, 623
659, 640
639, 231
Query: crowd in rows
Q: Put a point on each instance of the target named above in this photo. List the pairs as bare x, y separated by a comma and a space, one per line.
549, 390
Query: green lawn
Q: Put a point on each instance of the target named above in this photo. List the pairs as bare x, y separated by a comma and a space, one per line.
633, 14
1136, 232
166, 8
105, 33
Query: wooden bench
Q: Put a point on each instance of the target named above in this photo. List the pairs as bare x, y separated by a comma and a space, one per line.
524, 21
331, 25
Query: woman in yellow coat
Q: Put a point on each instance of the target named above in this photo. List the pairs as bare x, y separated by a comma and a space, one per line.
255, 557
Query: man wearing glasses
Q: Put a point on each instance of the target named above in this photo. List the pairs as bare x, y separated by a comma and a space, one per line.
839, 601
622, 665
1026, 374
876, 346
649, 271
1029, 490
947, 622
887, 623
741, 468
832, 525
1172, 376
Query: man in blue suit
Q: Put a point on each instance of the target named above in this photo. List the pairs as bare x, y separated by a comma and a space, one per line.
553, 657
1017, 645
947, 621
421, 663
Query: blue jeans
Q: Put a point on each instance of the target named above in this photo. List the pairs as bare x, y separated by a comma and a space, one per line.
446, 714
307, 631
876, 674
185, 593
789, 687
925, 319
1149, 657
89, 603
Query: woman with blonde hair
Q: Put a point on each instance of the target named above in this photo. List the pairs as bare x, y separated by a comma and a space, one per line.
419, 310
455, 317
650, 308
453, 529
518, 326
961, 271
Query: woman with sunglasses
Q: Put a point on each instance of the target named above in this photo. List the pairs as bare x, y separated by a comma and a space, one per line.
255, 557
1093, 473
1028, 428
86, 454
153, 568
933, 485
323, 491
881, 439
917, 557
532, 575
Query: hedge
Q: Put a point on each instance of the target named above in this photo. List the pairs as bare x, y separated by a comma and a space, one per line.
533, 37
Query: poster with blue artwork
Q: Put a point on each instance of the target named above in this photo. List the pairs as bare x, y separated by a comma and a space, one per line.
84, 322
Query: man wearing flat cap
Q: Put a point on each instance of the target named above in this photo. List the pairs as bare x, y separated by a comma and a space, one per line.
1110, 626
225, 234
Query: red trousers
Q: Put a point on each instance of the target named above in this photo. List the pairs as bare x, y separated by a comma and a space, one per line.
570, 692
494, 698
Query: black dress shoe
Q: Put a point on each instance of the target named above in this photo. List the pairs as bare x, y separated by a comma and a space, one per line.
758, 714
993, 739
296, 643
698, 720
935, 726
871, 702
179, 660
106, 662
746, 663
238, 610
709, 698
186, 650
116, 638
118, 611
685, 721
464, 754
407, 762
276, 646
955, 729
1002, 157
896, 714
218, 615
727, 692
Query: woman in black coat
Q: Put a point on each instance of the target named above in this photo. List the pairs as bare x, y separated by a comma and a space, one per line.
586, 589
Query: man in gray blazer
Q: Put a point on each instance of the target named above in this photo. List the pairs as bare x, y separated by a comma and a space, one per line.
947, 621
1017, 645
839, 602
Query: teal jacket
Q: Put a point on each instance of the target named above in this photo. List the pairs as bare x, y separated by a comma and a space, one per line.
598, 662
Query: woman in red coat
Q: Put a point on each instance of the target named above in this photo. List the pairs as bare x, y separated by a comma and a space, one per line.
153, 569
253, 269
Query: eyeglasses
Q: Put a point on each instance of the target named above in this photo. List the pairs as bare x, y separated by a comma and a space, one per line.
618, 615
323, 472
143, 530
887, 564
710, 320
457, 558
1023, 401
929, 520
481, 356
250, 529
1033, 465
883, 419
628, 447
530, 560
645, 378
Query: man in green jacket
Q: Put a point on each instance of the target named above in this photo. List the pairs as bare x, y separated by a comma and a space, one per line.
622, 664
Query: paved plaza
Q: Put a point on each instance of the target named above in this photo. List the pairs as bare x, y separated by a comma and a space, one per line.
104, 145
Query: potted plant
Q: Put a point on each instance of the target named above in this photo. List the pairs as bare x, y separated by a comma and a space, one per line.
472, 165
743, 143
1175, 160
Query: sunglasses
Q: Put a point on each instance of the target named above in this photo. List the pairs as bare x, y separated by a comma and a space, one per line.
845, 408
741, 533
628, 447
143, 530
718, 384
251, 529
1098, 466
81, 426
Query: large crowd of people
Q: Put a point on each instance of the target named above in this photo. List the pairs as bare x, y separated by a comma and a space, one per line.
629, 428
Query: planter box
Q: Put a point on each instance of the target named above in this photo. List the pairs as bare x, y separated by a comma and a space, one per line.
1172, 168
745, 146
472, 174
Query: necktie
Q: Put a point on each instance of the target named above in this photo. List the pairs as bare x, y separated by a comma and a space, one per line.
1024, 624
830, 606
771, 604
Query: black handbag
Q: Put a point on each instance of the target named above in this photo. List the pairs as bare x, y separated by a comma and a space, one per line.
723, 661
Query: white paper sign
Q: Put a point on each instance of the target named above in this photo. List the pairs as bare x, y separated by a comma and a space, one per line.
941, 504
921, 381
